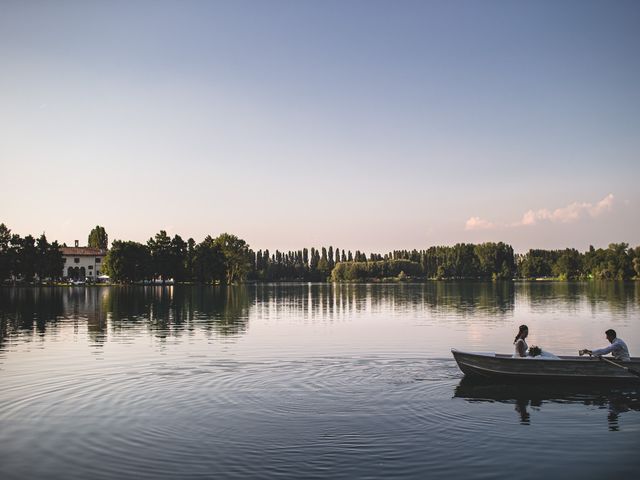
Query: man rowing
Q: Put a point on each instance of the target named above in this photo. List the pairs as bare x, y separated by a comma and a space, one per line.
617, 348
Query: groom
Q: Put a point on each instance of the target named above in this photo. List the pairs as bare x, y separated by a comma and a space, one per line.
617, 348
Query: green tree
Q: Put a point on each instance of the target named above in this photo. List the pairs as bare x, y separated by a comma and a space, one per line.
190, 258
324, 268
208, 262
636, 266
55, 261
128, 262
615, 262
49, 259
6, 267
538, 263
178, 262
569, 265
42, 247
162, 262
377, 269
619, 261
237, 257
27, 257
98, 238
495, 260
266, 263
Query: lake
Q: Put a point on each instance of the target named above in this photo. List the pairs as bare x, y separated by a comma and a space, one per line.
307, 381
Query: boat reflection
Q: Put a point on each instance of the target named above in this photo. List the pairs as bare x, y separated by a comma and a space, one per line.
616, 399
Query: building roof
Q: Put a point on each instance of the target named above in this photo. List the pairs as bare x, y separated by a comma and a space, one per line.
83, 251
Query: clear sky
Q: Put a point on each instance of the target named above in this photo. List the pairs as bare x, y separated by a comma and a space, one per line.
370, 125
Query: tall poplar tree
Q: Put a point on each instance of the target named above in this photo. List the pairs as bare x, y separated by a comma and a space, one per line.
98, 238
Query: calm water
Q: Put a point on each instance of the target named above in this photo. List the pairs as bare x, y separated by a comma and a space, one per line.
306, 381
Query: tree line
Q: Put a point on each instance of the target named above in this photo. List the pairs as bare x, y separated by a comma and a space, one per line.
224, 259
229, 259
28, 257
617, 262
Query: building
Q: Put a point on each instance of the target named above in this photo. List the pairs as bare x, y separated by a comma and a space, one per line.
82, 263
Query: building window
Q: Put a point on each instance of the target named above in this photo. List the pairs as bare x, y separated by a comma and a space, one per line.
98, 260
76, 260
90, 267
64, 260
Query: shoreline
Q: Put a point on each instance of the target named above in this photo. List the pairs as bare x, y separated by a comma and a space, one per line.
385, 281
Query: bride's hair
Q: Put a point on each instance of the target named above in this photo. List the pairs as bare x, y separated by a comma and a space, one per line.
521, 329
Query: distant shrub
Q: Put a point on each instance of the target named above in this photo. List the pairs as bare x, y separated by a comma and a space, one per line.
354, 271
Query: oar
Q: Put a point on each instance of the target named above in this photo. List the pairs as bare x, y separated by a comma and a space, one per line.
630, 370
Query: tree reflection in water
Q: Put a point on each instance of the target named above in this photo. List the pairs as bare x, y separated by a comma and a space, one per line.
171, 311
29, 311
164, 311
615, 398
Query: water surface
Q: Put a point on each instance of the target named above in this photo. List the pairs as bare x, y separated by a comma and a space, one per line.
306, 381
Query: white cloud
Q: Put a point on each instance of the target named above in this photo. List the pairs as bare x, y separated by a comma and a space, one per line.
571, 213
477, 223
604, 205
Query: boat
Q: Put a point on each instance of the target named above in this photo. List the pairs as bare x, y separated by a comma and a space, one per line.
507, 367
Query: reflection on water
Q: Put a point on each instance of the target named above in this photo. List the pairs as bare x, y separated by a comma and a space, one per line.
168, 311
164, 311
619, 297
338, 300
614, 399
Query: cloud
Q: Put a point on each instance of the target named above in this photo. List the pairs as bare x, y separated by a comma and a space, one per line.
477, 223
604, 205
571, 213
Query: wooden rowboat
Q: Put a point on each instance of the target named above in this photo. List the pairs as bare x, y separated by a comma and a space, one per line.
506, 367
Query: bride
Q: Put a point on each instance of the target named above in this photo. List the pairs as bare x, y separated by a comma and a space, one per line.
522, 350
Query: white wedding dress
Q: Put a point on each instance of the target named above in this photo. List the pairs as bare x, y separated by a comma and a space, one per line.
526, 347
544, 355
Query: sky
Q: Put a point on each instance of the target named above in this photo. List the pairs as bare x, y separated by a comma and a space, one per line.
370, 125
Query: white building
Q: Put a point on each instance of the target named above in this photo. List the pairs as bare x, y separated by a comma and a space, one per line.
82, 263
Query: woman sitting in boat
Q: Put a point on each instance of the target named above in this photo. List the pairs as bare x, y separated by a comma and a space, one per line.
523, 350
520, 343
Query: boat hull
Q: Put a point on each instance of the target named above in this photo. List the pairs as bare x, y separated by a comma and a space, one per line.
505, 367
